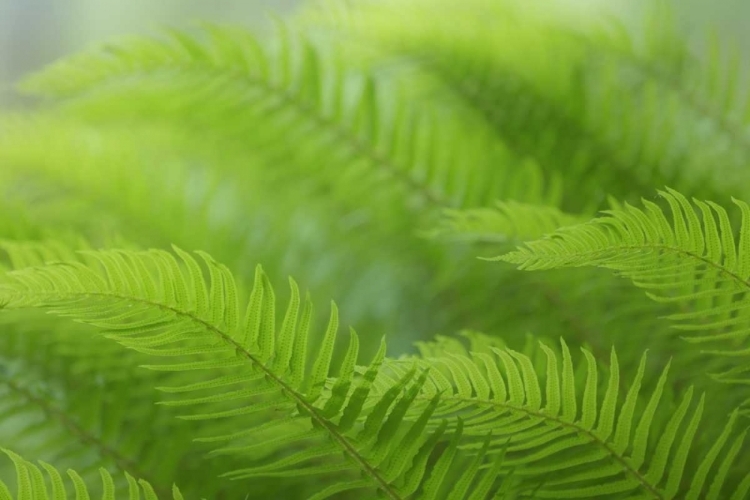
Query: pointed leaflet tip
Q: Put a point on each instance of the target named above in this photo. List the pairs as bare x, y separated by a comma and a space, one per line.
323, 360
380, 355
253, 314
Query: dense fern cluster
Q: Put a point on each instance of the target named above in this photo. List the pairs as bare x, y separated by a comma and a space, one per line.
374, 150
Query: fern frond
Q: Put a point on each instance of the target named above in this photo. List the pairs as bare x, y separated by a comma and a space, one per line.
331, 142
288, 89
47, 483
535, 101
593, 436
82, 402
709, 86
618, 305
556, 102
154, 304
690, 262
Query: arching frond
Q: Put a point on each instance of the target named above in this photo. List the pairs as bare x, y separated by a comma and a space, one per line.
46, 483
534, 101
154, 304
82, 402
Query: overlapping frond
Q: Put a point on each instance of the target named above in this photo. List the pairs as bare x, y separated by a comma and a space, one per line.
324, 148
587, 306
156, 305
392, 168
595, 436
45, 482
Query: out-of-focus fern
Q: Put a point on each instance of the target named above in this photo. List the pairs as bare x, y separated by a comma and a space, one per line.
296, 91
567, 99
337, 147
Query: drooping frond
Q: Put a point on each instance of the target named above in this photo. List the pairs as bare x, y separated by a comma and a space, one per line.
47, 483
691, 262
580, 301
595, 435
260, 391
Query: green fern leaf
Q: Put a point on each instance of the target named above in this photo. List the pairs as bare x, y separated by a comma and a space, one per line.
691, 262
287, 76
146, 301
32, 484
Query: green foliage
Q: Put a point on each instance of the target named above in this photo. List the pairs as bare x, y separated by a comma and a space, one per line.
374, 150
32, 483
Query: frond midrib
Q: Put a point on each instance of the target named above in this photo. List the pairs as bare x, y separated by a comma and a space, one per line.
653, 246
298, 398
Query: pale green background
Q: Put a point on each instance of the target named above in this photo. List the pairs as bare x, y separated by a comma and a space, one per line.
35, 32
